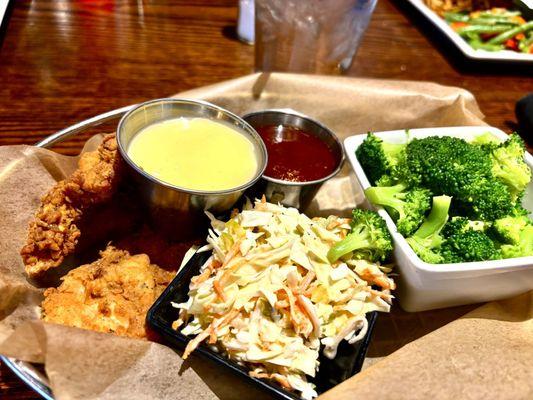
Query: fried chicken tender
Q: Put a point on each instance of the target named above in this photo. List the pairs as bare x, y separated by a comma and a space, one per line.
54, 232
113, 294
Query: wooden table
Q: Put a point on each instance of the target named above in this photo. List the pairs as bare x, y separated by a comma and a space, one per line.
64, 61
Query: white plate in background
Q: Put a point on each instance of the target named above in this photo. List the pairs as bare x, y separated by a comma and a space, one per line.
462, 45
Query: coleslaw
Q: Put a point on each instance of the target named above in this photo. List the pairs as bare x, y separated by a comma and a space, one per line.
268, 297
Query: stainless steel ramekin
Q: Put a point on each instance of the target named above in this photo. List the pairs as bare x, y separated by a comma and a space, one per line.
176, 210
294, 194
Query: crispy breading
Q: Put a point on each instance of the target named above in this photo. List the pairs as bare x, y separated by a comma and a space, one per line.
113, 294
54, 232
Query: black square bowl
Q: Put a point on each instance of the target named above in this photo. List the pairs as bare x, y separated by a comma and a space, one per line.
159, 319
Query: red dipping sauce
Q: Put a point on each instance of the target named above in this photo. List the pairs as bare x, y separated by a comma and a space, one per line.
295, 155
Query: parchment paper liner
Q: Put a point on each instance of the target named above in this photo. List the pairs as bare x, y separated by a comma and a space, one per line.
485, 354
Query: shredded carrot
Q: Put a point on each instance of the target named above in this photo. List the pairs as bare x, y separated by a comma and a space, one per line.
193, 343
230, 270
312, 318
225, 320
212, 335
458, 25
307, 281
380, 280
232, 253
518, 19
299, 319
377, 293
182, 318
196, 280
333, 225
176, 324
282, 380
281, 304
220, 291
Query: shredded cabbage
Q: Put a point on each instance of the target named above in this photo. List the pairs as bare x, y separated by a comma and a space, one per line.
268, 297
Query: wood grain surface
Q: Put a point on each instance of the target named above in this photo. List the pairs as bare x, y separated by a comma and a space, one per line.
63, 61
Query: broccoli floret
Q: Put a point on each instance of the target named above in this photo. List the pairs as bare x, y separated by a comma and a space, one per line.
407, 207
509, 167
486, 139
426, 241
486, 199
454, 167
523, 248
368, 239
507, 230
399, 174
386, 180
467, 241
519, 210
447, 165
377, 157
469, 245
462, 224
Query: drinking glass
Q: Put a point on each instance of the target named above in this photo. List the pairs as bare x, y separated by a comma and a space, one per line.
314, 36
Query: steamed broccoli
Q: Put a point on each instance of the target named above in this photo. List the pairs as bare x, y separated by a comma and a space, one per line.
407, 207
507, 230
378, 158
469, 246
485, 198
446, 165
485, 177
519, 210
509, 167
486, 139
467, 241
369, 238
426, 241
461, 224
524, 246
454, 167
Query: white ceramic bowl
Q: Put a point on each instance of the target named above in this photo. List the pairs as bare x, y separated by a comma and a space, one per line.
424, 286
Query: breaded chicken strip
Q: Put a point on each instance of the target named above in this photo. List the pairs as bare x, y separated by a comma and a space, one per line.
113, 294
54, 232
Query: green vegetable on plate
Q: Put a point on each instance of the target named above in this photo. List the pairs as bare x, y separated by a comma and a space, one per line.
477, 189
369, 238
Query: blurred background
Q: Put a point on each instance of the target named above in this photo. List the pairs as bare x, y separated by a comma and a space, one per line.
62, 61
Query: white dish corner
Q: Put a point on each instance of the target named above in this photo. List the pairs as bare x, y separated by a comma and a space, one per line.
462, 45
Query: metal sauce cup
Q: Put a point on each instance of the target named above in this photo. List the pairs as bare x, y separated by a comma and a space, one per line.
288, 193
178, 211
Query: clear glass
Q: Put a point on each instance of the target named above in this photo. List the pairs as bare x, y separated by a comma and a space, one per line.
313, 36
